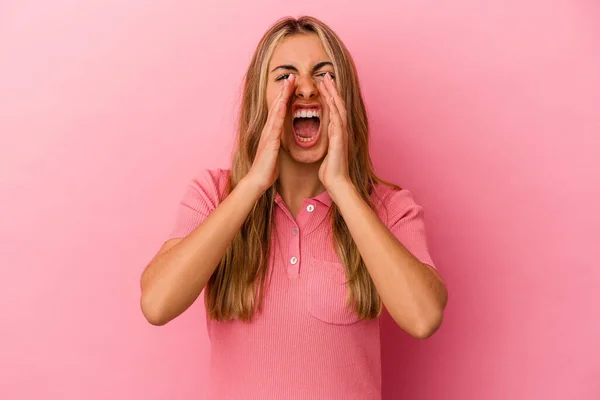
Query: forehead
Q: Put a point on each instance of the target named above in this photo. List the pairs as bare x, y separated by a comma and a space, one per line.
299, 50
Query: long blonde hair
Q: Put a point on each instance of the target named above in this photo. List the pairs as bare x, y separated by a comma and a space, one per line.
235, 289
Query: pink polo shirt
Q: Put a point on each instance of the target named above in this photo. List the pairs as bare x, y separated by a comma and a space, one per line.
305, 344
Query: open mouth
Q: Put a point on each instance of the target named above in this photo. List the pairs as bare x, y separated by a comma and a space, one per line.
306, 126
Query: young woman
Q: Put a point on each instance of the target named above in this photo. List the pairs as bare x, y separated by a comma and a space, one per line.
299, 245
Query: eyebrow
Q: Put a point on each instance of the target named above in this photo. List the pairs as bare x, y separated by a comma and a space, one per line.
292, 68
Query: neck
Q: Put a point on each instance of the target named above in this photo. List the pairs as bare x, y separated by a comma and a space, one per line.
297, 182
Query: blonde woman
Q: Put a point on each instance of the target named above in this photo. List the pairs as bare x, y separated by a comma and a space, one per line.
299, 245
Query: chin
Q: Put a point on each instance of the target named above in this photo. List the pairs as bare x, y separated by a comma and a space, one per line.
306, 155
304, 158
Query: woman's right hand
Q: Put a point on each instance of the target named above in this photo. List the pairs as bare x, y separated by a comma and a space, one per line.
265, 168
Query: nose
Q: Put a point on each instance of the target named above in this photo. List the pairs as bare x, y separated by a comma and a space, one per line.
305, 88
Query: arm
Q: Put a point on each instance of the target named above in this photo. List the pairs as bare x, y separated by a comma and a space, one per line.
176, 276
412, 292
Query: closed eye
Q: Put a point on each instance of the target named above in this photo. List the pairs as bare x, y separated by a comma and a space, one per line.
322, 75
282, 77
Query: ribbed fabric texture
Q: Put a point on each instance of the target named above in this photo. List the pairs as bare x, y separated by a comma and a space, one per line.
306, 344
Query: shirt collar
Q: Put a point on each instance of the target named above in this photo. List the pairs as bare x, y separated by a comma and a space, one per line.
322, 198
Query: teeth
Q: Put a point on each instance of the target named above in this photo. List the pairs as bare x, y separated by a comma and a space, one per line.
305, 140
306, 113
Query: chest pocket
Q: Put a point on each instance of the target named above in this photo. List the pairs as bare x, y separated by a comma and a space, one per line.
326, 292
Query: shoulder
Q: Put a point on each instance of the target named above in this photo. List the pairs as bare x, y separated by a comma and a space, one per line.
211, 176
211, 183
404, 217
204, 192
390, 196
393, 203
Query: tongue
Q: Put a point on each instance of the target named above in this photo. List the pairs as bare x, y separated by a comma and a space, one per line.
306, 127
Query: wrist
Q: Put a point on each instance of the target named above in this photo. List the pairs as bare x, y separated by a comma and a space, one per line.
341, 189
251, 188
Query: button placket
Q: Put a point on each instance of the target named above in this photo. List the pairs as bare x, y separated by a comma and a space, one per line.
293, 265
294, 256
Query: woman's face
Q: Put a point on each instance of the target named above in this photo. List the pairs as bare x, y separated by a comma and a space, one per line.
305, 129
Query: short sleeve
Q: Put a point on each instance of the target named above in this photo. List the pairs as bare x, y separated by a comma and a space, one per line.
406, 221
203, 195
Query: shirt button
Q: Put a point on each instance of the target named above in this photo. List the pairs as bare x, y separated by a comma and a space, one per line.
310, 208
295, 231
294, 260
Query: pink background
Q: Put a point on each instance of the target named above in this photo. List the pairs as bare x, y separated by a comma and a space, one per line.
487, 111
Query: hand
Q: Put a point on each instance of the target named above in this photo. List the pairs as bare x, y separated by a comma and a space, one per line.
265, 168
334, 169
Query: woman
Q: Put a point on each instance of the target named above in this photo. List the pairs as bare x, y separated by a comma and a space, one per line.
300, 245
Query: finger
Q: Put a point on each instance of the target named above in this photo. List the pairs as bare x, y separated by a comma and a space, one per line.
288, 87
323, 91
339, 102
336, 119
274, 107
335, 124
280, 112
278, 117
324, 94
337, 139
338, 131
271, 115
334, 114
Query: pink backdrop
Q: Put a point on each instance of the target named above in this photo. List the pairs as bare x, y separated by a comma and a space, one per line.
487, 111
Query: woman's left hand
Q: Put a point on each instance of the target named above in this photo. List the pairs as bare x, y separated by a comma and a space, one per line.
334, 169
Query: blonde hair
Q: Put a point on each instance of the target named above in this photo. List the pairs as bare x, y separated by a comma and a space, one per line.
235, 289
